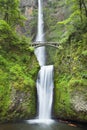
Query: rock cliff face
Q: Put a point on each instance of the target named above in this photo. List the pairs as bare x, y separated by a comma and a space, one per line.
18, 86
29, 8
29, 3
70, 97
18, 74
70, 92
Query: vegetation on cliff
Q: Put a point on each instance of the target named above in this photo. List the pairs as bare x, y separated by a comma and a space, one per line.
66, 23
18, 66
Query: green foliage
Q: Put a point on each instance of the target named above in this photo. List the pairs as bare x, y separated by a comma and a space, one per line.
10, 12
18, 67
84, 53
50, 22
77, 83
5, 30
18, 71
76, 23
62, 96
66, 23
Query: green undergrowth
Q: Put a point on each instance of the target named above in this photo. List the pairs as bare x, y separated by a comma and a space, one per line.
18, 72
70, 79
67, 25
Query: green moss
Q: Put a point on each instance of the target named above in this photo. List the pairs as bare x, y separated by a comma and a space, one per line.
70, 78
18, 73
70, 62
77, 83
62, 96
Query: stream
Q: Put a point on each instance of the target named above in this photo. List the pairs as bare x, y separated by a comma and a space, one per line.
55, 125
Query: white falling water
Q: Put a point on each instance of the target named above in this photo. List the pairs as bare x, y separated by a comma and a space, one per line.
45, 76
40, 27
45, 91
40, 51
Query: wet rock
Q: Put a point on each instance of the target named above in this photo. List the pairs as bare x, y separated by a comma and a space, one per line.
79, 104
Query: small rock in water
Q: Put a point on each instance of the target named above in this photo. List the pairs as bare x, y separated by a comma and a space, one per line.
72, 125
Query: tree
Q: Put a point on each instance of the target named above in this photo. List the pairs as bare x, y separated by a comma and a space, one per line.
10, 12
76, 23
83, 6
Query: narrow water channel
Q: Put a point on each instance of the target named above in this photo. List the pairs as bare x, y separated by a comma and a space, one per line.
40, 126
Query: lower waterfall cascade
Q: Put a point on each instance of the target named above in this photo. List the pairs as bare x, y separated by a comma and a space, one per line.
45, 91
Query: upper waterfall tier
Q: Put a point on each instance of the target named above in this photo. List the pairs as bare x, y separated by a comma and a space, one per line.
40, 52
40, 27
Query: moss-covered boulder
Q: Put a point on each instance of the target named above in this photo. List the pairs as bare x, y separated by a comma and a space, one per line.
70, 100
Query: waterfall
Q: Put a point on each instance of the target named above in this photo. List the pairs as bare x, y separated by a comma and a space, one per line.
40, 51
45, 91
45, 76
